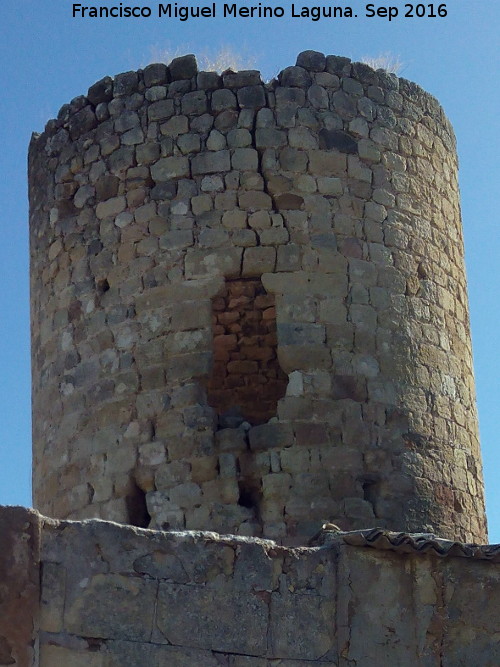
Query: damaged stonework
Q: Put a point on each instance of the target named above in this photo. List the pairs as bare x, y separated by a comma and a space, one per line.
19, 585
115, 595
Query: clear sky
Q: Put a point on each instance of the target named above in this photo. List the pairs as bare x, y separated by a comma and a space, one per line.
47, 57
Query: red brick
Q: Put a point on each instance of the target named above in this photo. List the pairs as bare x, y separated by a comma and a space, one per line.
227, 342
264, 301
242, 367
227, 317
238, 302
269, 314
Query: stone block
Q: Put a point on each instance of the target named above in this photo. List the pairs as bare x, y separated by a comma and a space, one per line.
326, 163
194, 104
185, 495
101, 91
269, 436
220, 261
204, 469
295, 459
174, 126
251, 97
292, 616
275, 491
112, 606
253, 200
211, 163
111, 207
135, 654
178, 604
301, 357
245, 159
270, 138
208, 80
188, 366
82, 122
120, 160
241, 79
223, 99
155, 74
258, 260
184, 67
244, 238
125, 84
273, 236
161, 110
311, 435
189, 143
338, 140
300, 333
169, 168
293, 159
289, 258
318, 97
314, 61
295, 77
231, 440
60, 656
394, 589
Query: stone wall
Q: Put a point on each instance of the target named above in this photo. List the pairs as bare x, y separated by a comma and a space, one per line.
334, 185
114, 595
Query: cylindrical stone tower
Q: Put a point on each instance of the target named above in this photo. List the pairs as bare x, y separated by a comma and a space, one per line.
249, 308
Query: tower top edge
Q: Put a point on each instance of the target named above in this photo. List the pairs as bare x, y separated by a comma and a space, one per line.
175, 74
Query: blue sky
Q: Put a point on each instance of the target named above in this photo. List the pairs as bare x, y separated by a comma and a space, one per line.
47, 57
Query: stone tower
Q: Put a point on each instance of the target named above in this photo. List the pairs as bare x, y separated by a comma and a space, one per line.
249, 308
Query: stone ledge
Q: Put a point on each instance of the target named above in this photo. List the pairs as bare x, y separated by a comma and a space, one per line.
113, 594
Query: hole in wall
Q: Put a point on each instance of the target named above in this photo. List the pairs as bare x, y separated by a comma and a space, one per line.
250, 494
102, 286
137, 509
246, 380
371, 488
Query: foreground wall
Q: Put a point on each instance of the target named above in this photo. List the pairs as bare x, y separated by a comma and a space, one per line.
115, 595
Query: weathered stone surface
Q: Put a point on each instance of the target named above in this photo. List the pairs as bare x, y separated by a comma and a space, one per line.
241, 79
314, 61
184, 67
342, 141
101, 91
177, 604
296, 606
113, 606
211, 163
251, 97
125, 84
295, 76
270, 435
292, 618
161, 110
82, 122
170, 167
155, 74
